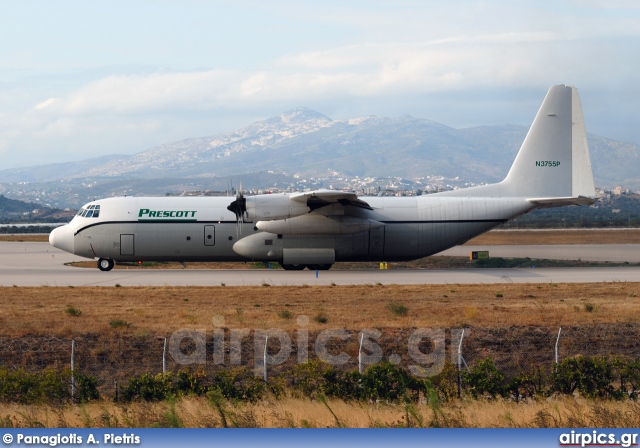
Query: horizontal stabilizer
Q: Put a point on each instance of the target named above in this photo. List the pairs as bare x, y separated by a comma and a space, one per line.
561, 202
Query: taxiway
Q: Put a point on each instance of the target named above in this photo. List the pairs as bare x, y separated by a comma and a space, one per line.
39, 264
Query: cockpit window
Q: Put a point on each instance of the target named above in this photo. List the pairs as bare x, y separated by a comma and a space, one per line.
91, 211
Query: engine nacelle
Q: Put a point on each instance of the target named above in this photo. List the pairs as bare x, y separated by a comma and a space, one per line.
267, 207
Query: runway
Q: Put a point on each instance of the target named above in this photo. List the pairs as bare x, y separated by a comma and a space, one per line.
39, 264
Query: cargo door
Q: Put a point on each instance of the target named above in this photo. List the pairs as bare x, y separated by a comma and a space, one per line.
126, 245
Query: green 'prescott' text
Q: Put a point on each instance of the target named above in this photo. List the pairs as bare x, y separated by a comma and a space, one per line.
146, 213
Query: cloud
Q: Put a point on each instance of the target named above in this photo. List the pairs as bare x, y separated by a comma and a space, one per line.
357, 70
45, 104
159, 91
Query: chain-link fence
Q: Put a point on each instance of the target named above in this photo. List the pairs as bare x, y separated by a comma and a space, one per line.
113, 360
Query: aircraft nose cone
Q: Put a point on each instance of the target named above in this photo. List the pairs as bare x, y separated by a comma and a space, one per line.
62, 238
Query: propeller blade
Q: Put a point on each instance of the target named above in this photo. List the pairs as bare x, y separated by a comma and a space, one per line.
239, 208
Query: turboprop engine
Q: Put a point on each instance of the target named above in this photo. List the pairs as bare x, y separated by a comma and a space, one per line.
267, 207
274, 206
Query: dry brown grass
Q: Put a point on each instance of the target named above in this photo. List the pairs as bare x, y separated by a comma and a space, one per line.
20, 237
293, 412
159, 310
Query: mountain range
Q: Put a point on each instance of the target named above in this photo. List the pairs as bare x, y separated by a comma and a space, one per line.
305, 144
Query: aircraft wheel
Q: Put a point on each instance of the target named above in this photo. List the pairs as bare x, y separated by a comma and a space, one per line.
105, 264
319, 267
292, 267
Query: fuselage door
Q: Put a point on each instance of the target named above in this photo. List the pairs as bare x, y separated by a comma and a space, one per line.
209, 235
126, 245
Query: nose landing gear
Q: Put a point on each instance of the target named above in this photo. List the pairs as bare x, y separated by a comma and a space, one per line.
105, 264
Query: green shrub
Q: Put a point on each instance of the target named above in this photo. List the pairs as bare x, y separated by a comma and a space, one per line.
629, 373
398, 309
147, 387
48, 385
592, 376
238, 384
387, 381
530, 385
484, 378
445, 383
189, 383
54, 385
86, 388
316, 378
321, 318
589, 307
119, 323
72, 311
308, 378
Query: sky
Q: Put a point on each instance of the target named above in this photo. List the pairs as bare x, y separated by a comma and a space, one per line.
84, 79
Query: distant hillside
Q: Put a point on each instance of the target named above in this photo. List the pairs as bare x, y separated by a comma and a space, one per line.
304, 144
13, 211
58, 171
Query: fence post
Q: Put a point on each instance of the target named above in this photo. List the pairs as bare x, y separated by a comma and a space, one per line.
360, 354
460, 364
73, 368
266, 341
164, 357
557, 342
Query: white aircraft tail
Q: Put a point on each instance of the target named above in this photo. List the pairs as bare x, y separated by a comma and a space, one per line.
553, 166
553, 161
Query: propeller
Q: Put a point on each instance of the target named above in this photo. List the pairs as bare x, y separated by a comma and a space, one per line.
239, 207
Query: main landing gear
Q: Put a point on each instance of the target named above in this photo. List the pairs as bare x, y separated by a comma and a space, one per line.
311, 267
105, 264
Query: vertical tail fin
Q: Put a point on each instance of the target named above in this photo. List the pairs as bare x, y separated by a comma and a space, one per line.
553, 161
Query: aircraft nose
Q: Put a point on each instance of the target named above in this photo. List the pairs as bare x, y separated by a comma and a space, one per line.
62, 238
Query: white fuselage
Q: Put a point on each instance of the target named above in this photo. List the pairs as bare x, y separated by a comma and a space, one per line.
202, 229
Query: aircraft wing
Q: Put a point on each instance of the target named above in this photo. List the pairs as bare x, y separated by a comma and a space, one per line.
560, 202
320, 198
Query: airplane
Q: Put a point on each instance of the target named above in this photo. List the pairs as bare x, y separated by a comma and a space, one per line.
315, 229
